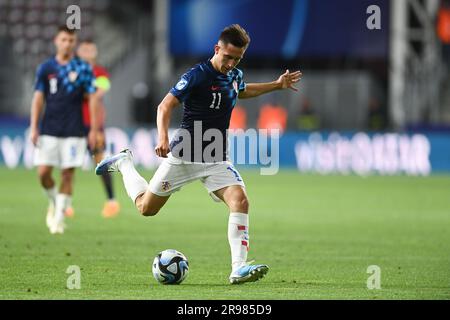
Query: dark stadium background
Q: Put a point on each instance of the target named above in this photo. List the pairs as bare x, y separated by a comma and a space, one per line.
355, 79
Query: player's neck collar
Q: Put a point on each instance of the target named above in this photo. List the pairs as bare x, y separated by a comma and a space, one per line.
210, 65
63, 64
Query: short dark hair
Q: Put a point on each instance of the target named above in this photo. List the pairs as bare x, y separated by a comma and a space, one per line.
66, 29
87, 41
236, 35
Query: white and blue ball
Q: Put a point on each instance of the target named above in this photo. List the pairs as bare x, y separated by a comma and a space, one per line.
170, 267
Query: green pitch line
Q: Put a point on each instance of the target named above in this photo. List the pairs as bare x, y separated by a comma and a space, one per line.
318, 235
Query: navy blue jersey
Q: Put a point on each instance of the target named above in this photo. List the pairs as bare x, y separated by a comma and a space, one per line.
64, 87
208, 97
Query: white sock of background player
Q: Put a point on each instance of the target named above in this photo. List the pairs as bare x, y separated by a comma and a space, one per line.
51, 195
63, 201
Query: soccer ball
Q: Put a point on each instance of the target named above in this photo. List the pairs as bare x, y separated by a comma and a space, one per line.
170, 267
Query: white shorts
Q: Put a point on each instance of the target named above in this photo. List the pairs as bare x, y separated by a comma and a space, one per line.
174, 173
60, 152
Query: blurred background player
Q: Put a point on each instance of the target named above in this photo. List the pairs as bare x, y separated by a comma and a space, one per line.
60, 139
87, 51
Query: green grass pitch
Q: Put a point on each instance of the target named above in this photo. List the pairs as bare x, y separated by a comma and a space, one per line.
317, 233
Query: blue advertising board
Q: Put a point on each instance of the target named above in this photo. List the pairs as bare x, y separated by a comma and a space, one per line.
361, 153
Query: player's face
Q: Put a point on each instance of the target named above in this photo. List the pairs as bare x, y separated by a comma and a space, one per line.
65, 43
229, 56
87, 52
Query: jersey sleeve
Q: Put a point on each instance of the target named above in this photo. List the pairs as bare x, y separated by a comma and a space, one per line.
184, 86
102, 78
102, 82
89, 83
240, 81
39, 84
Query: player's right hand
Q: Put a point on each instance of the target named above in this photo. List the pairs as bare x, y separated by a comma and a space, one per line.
34, 136
162, 149
92, 138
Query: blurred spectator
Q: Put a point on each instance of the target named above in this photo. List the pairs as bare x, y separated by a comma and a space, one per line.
376, 117
425, 117
142, 105
272, 117
443, 22
443, 29
308, 119
238, 118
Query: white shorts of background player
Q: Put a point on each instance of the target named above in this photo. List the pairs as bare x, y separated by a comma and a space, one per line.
60, 152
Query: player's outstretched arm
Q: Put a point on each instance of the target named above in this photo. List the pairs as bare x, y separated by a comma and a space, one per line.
163, 121
37, 105
285, 81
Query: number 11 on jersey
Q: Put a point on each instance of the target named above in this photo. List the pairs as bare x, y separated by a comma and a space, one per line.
215, 95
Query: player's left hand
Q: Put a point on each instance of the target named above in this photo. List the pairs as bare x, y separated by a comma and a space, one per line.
288, 79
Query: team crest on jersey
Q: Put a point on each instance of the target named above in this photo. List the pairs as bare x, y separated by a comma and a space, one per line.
235, 86
181, 84
165, 185
73, 76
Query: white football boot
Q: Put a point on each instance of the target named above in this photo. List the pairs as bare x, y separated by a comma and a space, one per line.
249, 273
57, 228
110, 164
50, 215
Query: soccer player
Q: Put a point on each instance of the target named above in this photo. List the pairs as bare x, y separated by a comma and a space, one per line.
208, 91
60, 139
87, 50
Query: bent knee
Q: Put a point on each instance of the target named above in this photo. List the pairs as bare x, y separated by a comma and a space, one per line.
240, 205
44, 173
147, 211
150, 213
67, 176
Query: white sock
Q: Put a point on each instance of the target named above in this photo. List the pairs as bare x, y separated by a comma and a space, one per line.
68, 202
51, 195
134, 183
238, 238
62, 202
